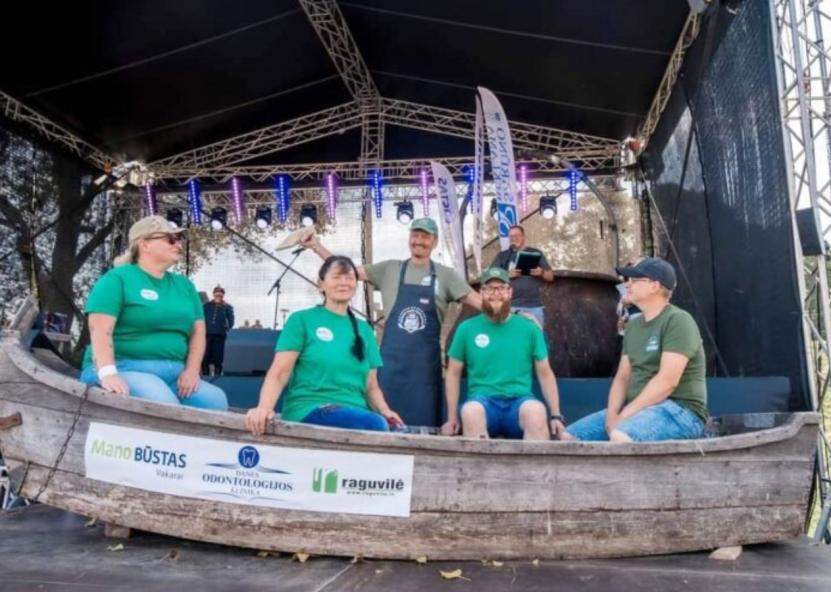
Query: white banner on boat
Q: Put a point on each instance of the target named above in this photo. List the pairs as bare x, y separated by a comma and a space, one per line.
240, 473
503, 169
450, 223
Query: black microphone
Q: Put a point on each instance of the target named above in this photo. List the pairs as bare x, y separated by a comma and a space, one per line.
298, 250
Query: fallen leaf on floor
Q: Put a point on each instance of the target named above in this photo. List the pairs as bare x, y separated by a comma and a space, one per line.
264, 554
535, 562
421, 560
497, 563
379, 571
300, 557
91, 522
357, 559
118, 547
456, 574
172, 555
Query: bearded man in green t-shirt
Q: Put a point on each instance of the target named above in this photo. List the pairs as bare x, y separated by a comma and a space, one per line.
659, 391
501, 351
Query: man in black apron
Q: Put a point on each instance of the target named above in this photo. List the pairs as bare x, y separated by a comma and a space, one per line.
415, 294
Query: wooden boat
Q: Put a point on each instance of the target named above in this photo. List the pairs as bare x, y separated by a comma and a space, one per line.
469, 499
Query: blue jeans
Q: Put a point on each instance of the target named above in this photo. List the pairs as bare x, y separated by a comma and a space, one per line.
501, 414
538, 312
351, 418
664, 421
155, 380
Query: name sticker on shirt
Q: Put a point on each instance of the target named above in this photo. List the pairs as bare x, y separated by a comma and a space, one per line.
148, 294
324, 334
482, 340
652, 344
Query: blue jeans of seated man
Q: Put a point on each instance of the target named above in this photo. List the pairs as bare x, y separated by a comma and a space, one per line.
665, 421
501, 414
538, 312
350, 418
155, 380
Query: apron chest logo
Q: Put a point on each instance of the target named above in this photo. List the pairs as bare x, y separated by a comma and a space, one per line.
652, 344
149, 294
482, 340
412, 319
425, 281
324, 334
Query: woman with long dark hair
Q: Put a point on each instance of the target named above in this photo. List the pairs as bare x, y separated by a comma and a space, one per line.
327, 361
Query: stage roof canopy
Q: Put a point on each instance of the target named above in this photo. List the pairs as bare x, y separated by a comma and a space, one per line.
149, 79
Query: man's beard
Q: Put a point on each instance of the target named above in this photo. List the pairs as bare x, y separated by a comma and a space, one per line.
497, 314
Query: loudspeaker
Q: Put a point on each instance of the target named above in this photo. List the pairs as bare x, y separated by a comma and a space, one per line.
248, 352
809, 234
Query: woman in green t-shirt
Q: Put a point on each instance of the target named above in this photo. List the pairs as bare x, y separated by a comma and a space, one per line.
147, 328
327, 361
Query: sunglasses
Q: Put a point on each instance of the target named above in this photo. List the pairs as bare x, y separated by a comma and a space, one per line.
172, 239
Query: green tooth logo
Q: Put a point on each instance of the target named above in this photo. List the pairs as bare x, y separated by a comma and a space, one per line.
325, 483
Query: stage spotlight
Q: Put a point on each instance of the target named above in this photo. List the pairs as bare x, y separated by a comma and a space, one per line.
404, 211
494, 209
175, 217
548, 207
263, 217
219, 218
308, 215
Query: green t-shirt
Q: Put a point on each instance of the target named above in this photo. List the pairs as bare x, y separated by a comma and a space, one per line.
673, 330
326, 372
499, 356
154, 316
450, 286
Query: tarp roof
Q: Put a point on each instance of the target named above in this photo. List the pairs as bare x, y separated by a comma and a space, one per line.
148, 79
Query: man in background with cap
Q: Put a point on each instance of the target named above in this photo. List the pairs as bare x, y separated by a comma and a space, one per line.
415, 294
501, 351
659, 391
219, 319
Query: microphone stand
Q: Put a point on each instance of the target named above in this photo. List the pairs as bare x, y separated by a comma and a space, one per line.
276, 285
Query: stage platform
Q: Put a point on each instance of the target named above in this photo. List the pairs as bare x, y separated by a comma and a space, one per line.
42, 548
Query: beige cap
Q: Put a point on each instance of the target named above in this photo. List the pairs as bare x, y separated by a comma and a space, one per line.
150, 225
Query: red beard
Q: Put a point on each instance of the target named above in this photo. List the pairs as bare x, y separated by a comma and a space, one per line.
499, 314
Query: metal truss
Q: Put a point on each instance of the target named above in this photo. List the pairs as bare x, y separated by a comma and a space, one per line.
688, 35
280, 136
805, 109
349, 172
176, 196
331, 27
17, 111
461, 123
221, 160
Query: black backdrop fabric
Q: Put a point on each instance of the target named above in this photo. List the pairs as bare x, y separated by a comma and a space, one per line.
730, 223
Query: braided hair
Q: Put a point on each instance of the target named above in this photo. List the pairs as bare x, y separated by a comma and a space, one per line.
344, 264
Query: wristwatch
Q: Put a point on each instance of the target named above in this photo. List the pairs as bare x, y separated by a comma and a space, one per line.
557, 417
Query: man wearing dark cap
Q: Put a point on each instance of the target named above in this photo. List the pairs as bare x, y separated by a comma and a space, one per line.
501, 351
415, 295
219, 319
659, 391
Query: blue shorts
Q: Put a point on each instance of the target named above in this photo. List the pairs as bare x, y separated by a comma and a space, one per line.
665, 421
502, 414
352, 418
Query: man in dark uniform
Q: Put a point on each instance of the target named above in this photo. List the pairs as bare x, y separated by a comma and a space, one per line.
526, 288
219, 319
415, 293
